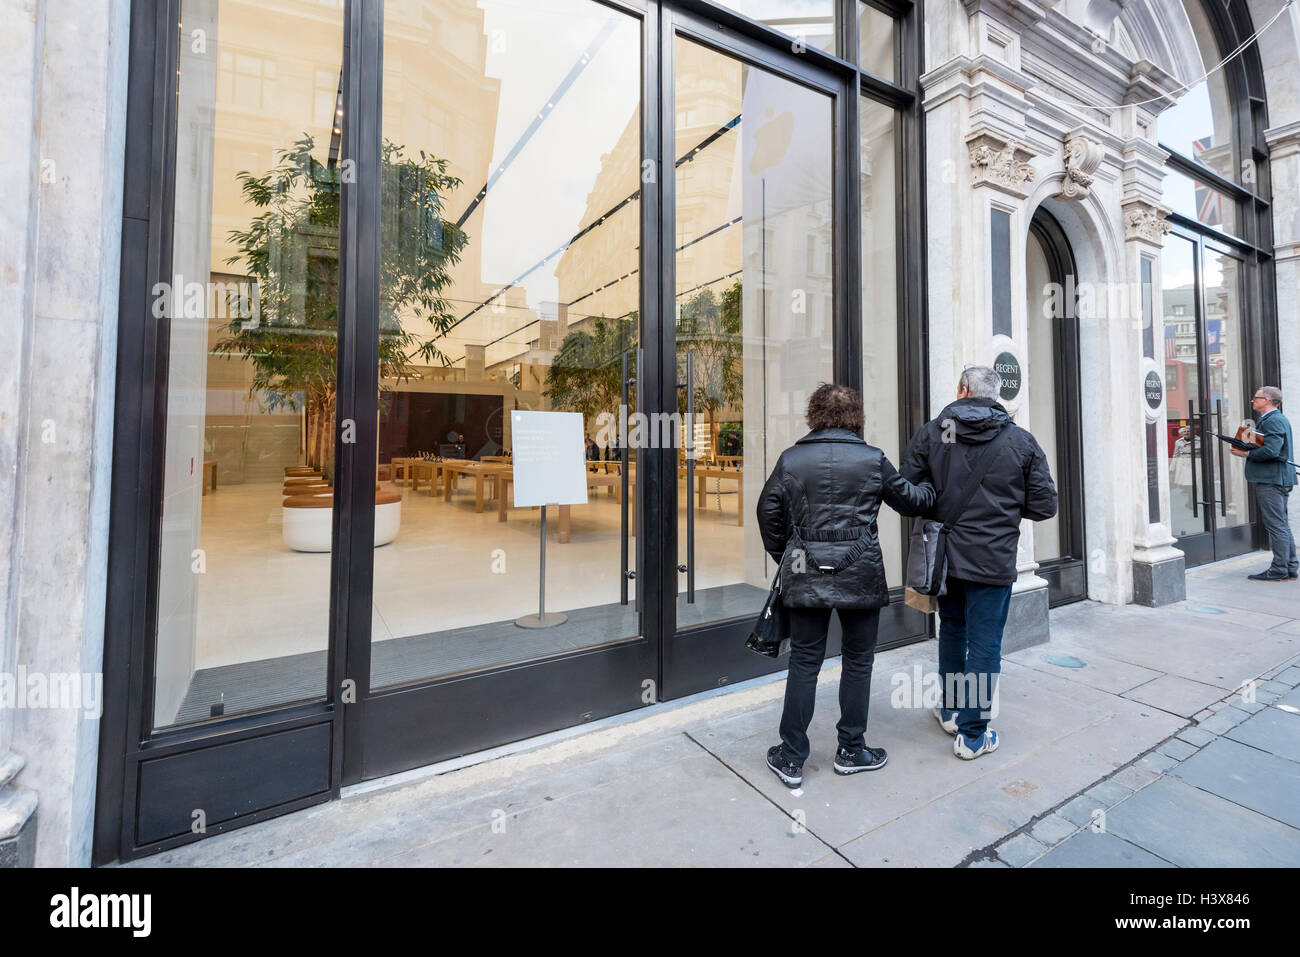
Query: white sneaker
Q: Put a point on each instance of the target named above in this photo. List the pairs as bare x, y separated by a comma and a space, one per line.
988, 744
948, 724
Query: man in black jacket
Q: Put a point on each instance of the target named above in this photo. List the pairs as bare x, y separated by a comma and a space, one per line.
981, 548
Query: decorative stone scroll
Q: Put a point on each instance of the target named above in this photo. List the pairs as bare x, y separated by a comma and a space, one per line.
1000, 162
1082, 157
1144, 221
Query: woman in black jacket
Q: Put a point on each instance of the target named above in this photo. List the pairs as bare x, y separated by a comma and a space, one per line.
817, 515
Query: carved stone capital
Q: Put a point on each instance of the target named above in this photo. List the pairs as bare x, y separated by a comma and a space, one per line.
1082, 157
1000, 162
1144, 221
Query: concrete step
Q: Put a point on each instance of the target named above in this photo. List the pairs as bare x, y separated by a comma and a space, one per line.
10, 764
16, 806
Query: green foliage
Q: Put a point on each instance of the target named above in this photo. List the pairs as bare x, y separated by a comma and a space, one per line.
710, 329
587, 371
291, 248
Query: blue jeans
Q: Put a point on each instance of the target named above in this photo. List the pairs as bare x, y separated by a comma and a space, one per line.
971, 619
1272, 514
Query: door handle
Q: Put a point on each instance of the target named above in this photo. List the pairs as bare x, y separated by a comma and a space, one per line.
689, 566
1218, 454
1191, 444
627, 575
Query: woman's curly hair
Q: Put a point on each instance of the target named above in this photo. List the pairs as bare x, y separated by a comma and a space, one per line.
835, 407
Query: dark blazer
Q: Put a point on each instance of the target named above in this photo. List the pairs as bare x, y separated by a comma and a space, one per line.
982, 544
823, 497
1268, 463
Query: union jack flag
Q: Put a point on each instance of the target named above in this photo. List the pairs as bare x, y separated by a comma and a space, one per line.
1209, 202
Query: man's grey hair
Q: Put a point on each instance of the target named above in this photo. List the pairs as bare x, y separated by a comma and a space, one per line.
981, 382
1272, 393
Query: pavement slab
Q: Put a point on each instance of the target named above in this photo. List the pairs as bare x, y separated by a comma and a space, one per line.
1176, 695
1271, 730
1095, 849
1225, 834
1247, 776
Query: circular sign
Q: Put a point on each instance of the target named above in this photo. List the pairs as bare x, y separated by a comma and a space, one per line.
1008, 367
1154, 390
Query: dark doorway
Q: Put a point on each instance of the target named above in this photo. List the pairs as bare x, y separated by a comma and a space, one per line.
1054, 404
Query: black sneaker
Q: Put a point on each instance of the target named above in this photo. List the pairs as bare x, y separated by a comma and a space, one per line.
785, 769
1270, 576
851, 761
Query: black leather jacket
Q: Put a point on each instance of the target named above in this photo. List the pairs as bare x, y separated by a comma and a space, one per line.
817, 515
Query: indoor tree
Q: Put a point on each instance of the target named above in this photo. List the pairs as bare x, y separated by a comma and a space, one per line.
290, 248
586, 373
709, 328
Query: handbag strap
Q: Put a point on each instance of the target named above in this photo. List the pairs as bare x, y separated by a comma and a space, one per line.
981, 468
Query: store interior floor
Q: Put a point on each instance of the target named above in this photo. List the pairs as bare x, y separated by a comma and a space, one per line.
447, 590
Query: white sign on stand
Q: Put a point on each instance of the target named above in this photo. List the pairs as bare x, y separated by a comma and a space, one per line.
549, 458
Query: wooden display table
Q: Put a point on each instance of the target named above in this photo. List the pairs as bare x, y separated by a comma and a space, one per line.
452, 469
506, 481
703, 472
209, 465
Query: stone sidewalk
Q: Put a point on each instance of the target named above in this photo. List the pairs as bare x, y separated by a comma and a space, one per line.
1125, 740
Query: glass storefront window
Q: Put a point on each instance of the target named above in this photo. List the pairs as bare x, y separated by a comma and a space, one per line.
811, 22
876, 36
880, 361
1202, 203
243, 617
511, 215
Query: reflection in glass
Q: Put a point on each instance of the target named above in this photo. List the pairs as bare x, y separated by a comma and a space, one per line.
1221, 276
754, 298
511, 216
243, 590
1200, 202
1040, 383
1199, 125
880, 361
811, 22
876, 31
1182, 386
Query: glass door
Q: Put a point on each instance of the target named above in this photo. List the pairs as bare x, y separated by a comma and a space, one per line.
750, 303
1205, 371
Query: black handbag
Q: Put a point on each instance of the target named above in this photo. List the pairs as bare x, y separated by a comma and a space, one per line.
927, 551
770, 635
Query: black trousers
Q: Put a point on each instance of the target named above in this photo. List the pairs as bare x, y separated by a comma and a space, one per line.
807, 651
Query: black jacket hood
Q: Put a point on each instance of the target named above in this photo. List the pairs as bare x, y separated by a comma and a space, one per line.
975, 420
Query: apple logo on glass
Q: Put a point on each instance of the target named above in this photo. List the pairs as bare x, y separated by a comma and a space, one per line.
771, 142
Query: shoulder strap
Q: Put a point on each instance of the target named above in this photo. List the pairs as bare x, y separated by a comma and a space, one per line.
981, 468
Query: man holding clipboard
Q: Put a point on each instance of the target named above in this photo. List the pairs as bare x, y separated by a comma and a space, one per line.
1271, 470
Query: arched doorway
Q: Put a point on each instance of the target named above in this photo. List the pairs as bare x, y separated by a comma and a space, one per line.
1053, 398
